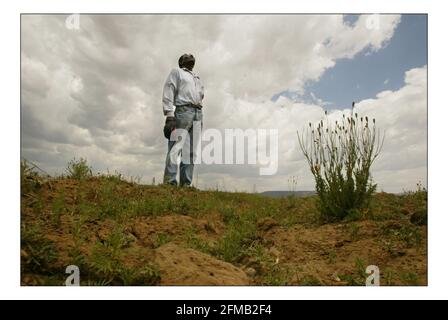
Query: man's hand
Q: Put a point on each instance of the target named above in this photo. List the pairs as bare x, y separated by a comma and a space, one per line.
170, 125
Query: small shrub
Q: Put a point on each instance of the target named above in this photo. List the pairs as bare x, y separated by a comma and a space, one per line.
340, 156
78, 169
112, 177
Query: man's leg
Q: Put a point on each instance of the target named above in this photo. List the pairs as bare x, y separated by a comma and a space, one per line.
190, 149
170, 174
187, 163
184, 120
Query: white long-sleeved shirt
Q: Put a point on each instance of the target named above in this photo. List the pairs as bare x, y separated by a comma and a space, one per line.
181, 87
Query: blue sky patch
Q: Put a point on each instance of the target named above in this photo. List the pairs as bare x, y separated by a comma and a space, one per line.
365, 75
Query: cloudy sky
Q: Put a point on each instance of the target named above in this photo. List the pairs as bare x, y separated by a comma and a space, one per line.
95, 92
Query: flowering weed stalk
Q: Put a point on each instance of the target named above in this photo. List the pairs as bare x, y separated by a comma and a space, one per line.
340, 156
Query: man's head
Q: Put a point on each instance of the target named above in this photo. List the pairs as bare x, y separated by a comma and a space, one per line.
186, 61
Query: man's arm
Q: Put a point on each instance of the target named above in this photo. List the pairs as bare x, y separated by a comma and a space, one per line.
169, 92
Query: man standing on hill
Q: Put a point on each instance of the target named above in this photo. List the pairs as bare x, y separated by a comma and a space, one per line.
182, 105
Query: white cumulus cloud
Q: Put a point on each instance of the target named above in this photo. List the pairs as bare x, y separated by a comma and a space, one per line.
96, 92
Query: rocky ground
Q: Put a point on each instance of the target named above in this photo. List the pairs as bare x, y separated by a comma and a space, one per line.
122, 233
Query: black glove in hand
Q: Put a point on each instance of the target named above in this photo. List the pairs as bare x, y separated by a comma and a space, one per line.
170, 125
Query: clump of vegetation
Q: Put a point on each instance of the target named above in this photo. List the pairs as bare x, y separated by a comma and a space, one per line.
197, 243
37, 252
354, 231
406, 233
420, 194
107, 264
27, 177
78, 169
268, 270
58, 208
409, 278
30, 179
340, 156
162, 238
358, 276
241, 232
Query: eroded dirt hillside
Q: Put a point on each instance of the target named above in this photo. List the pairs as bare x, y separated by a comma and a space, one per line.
122, 233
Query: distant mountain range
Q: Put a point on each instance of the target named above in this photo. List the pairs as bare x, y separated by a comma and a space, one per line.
282, 194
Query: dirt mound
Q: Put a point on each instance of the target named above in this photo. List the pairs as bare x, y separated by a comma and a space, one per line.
321, 253
181, 266
120, 233
147, 229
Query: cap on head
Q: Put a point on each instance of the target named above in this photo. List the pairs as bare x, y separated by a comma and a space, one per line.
187, 61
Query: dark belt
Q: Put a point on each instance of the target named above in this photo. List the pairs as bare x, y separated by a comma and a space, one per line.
191, 105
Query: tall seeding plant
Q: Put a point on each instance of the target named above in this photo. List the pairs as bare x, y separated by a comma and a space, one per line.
340, 155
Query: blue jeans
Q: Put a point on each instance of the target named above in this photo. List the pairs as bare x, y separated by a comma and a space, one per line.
181, 145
